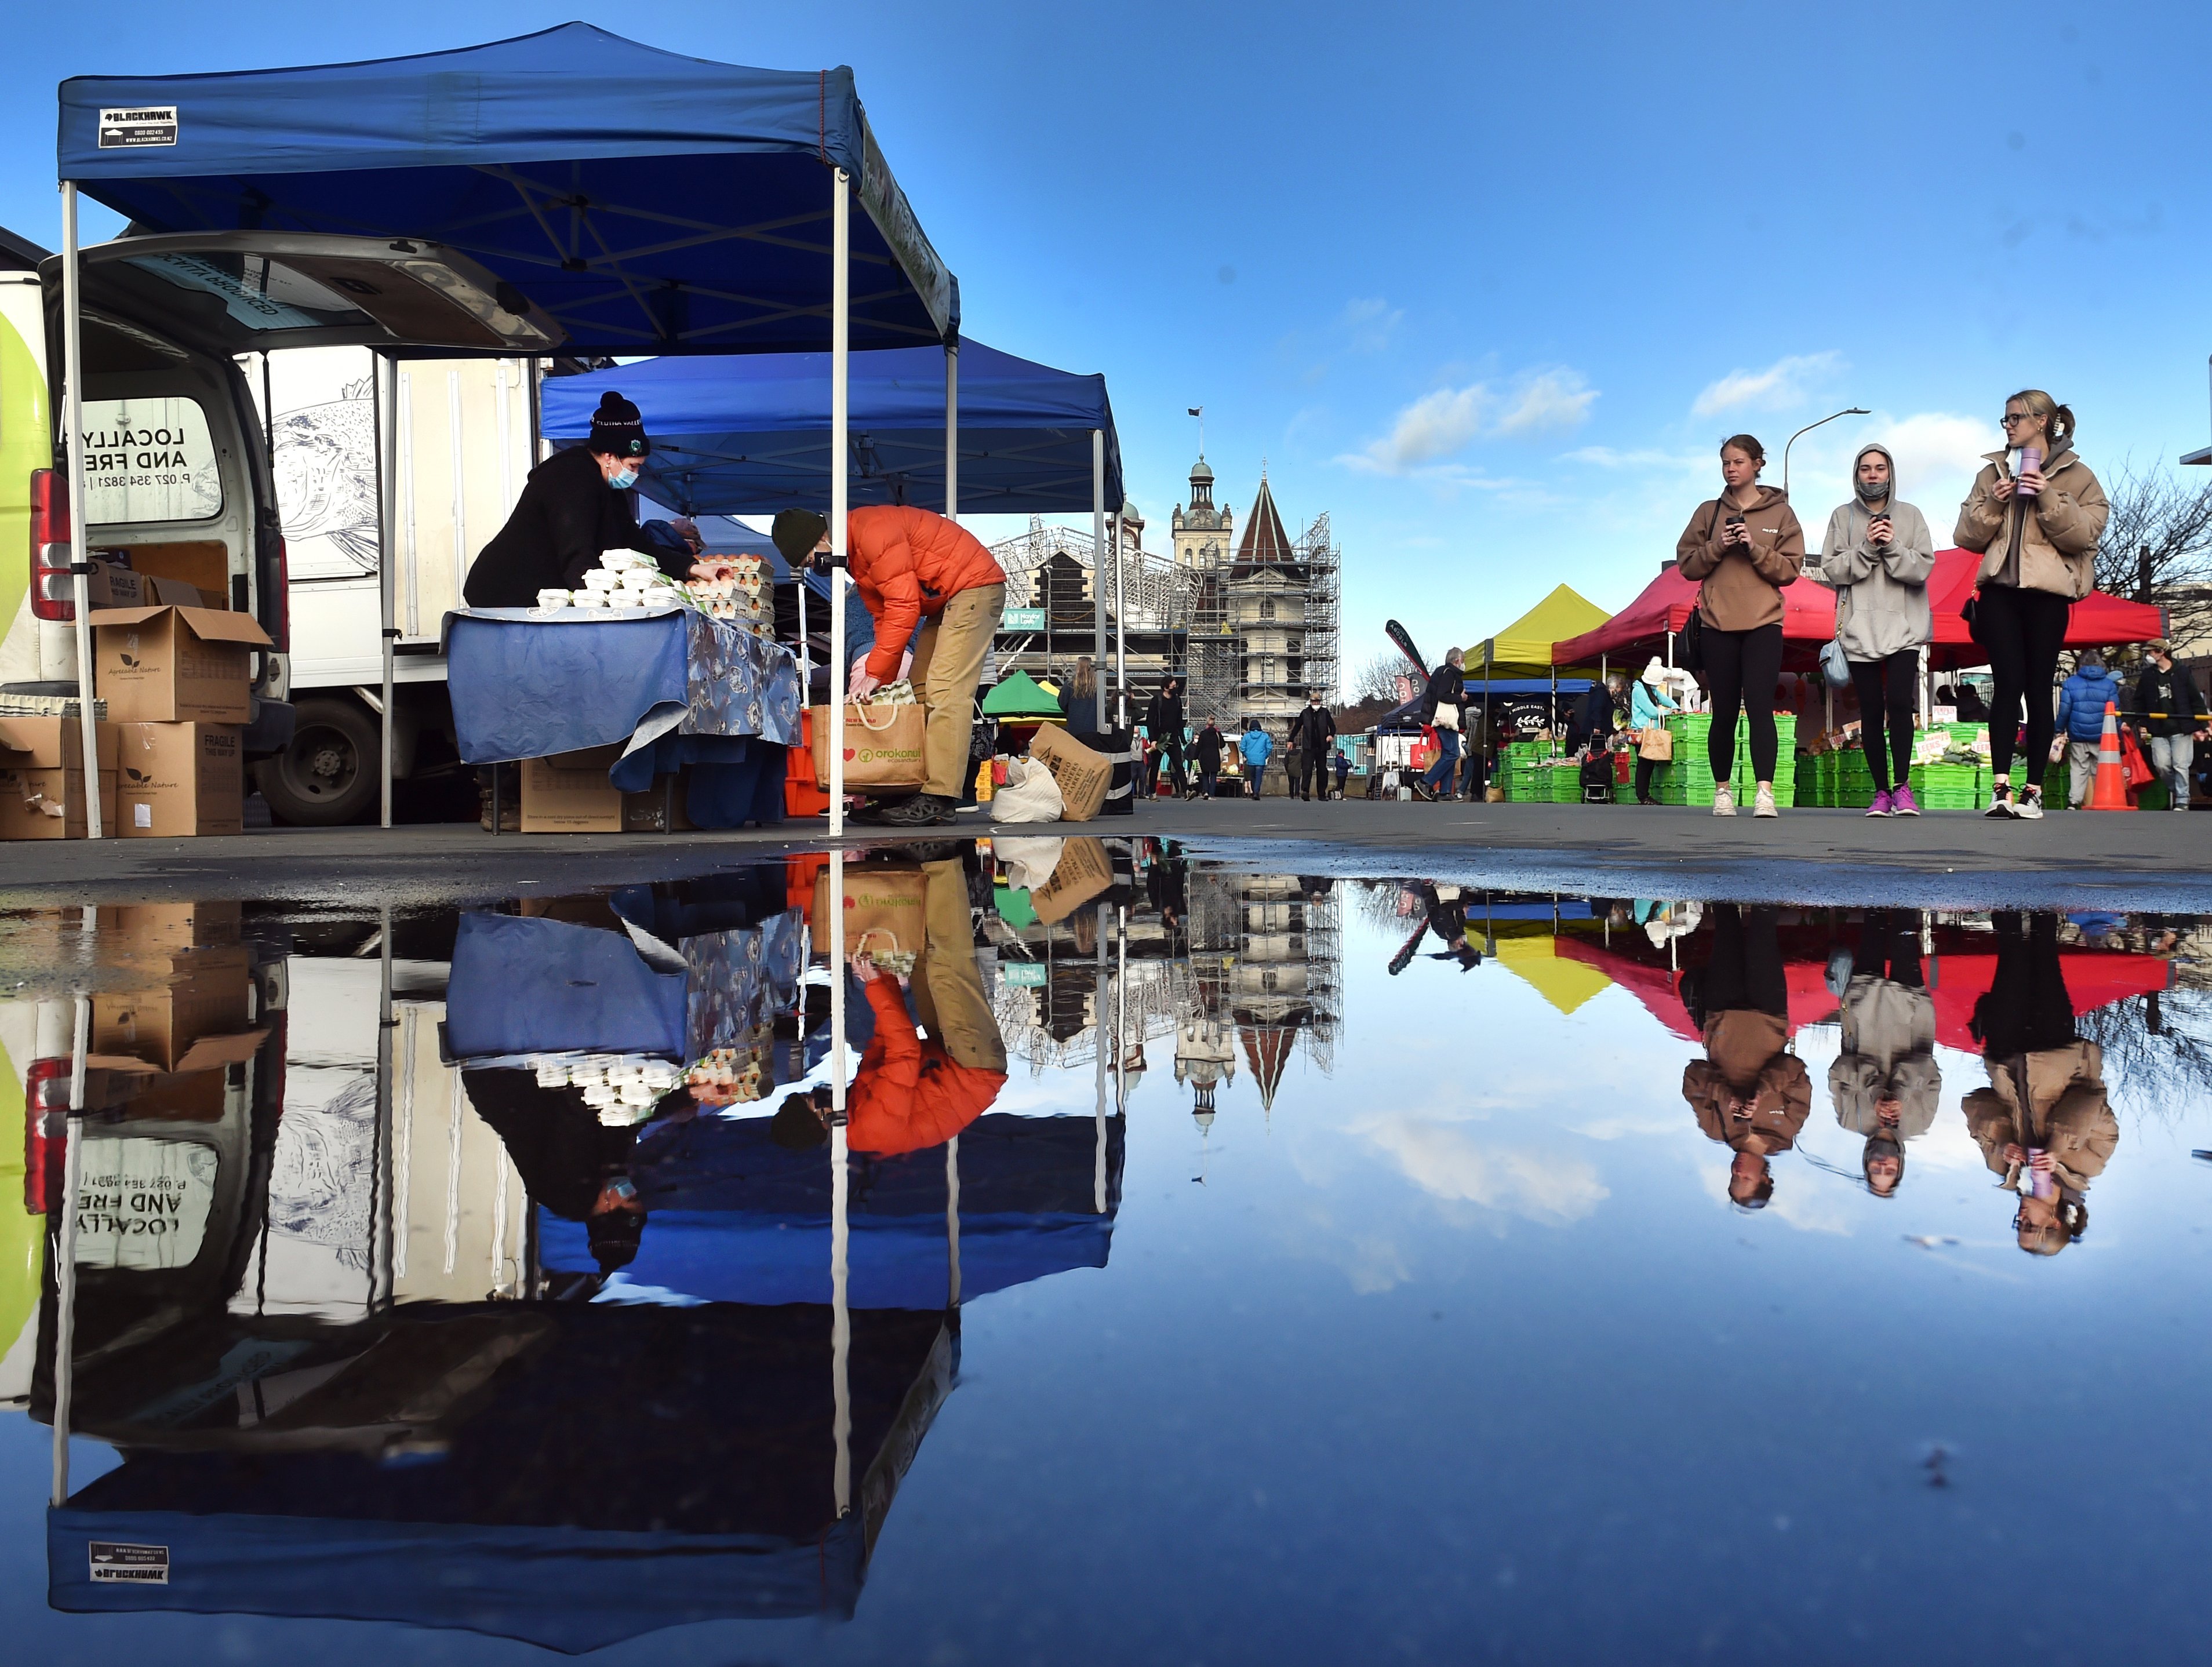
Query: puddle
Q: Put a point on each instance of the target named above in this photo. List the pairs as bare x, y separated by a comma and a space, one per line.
1196, 1263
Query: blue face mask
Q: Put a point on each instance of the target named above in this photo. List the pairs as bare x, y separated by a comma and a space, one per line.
624, 479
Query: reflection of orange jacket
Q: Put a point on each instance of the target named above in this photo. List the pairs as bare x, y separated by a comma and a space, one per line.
910, 1094
907, 562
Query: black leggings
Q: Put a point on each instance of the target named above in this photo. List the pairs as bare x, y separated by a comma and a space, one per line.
1886, 693
2021, 631
1889, 947
1646, 769
1741, 668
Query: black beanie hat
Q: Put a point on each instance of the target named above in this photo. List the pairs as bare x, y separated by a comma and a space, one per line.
796, 532
615, 1235
617, 428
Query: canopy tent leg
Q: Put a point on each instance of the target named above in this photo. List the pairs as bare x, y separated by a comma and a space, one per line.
836, 948
840, 332
840, 1320
386, 382
1121, 632
952, 1222
382, 1288
80, 507
1098, 1006
952, 431
65, 1253
1098, 573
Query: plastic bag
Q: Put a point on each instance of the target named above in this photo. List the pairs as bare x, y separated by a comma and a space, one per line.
1030, 795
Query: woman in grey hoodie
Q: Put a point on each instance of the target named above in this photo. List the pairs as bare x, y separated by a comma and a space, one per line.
1877, 558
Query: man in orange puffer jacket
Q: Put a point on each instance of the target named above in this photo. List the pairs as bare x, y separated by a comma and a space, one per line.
912, 566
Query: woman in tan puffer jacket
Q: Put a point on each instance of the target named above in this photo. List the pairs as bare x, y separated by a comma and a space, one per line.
2036, 531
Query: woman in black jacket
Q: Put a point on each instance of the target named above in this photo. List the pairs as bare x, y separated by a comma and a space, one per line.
1442, 703
575, 505
1163, 723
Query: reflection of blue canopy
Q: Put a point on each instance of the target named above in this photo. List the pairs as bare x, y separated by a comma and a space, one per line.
734, 1218
545, 986
650, 202
750, 436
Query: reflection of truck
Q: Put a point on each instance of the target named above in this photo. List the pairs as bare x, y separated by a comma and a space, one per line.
464, 440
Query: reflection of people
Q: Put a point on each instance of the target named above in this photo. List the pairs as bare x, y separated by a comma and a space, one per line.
572, 1164
573, 506
1750, 1092
908, 566
1885, 1081
913, 1092
2044, 1124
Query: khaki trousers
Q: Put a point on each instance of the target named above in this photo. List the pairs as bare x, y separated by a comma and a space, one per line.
948, 663
948, 985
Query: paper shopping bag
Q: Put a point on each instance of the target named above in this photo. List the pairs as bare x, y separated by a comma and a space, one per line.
883, 747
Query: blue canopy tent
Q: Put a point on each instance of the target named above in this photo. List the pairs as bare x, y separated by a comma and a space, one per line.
743, 436
586, 187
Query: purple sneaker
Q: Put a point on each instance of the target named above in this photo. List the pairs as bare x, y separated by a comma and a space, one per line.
1881, 805
1902, 803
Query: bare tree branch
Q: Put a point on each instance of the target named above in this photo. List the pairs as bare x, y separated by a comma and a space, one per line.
2159, 534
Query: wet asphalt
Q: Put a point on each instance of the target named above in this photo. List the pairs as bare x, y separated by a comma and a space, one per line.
2072, 860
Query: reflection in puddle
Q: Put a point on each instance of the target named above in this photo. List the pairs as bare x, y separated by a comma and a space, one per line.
567, 1270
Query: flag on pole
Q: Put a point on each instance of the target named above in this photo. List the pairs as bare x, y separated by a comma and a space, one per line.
1197, 411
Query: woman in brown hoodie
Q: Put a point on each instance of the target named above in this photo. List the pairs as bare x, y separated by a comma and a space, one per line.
1745, 546
2036, 532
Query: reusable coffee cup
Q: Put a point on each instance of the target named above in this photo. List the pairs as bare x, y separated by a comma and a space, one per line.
2039, 1185
2031, 458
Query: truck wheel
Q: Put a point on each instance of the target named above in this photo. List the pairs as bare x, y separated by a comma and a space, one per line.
332, 771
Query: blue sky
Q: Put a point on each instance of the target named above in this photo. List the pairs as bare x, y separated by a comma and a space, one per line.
1488, 283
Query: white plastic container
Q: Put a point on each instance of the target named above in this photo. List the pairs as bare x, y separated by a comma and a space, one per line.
552, 599
602, 578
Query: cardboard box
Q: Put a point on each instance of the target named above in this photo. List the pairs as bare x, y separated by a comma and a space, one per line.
42, 778
111, 585
142, 929
1081, 874
172, 664
884, 907
180, 780
1083, 775
191, 1014
569, 793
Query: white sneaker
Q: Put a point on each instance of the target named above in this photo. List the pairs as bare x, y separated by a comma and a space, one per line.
2028, 807
1723, 800
1762, 803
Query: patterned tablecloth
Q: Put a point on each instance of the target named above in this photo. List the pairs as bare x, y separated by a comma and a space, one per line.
526, 683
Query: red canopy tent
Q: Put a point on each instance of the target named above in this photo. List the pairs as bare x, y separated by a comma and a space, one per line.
2094, 978
1808, 619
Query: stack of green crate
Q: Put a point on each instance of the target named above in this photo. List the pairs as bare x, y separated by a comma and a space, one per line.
1524, 774
1947, 787
1566, 783
1688, 780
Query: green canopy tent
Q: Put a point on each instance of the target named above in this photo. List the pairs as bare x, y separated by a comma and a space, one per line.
1020, 698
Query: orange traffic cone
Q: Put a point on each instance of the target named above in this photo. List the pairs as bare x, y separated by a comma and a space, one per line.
2111, 789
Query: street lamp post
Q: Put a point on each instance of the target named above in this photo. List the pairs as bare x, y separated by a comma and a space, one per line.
1856, 411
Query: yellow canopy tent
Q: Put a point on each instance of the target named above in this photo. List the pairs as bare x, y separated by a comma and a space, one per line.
1532, 955
1523, 648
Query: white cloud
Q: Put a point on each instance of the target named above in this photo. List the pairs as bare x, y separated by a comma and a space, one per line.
1440, 423
1444, 1161
1784, 383
1369, 321
1937, 453
1554, 400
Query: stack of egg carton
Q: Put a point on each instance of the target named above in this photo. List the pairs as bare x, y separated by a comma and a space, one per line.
744, 598
732, 1076
622, 1088
623, 578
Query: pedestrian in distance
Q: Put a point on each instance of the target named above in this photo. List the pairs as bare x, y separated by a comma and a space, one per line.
1442, 703
2171, 717
1343, 769
1258, 747
1078, 703
1744, 546
1314, 735
2034, 517
2082, 699
1591, 721
1877, 558
1648, 704
1205, 753
1163, 723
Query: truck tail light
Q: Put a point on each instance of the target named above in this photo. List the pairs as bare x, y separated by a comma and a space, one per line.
46, 1132
53, 589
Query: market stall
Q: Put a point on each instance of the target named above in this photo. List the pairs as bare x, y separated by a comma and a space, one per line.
632, 200
985, 431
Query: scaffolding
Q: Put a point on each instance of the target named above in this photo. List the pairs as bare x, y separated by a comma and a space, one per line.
1261, 633
1055, 568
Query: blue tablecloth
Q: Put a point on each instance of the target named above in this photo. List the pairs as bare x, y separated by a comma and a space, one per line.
526, 685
